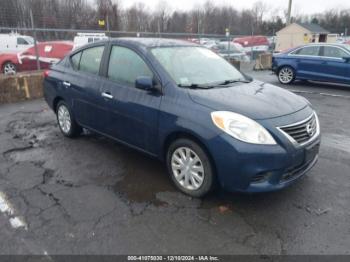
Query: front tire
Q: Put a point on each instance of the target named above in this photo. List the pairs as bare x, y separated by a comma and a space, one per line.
190, 168
286, 75
66, 121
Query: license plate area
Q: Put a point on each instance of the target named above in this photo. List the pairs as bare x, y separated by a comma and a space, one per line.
311, 152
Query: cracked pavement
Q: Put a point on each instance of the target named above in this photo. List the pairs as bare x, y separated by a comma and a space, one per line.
91, 195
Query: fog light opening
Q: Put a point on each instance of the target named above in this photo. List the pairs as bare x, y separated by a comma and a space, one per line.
261, 177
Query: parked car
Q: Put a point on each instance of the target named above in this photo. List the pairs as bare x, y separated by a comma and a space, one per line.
254, 45
232, 50
11, 43
49, 53
184, 104
318, 62
87, 38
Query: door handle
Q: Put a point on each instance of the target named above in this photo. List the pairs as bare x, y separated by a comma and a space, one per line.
67, 84
107, 95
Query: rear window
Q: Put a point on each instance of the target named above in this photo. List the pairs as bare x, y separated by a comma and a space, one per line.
91, 59
76, 60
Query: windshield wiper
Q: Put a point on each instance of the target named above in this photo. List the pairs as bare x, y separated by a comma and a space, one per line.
232, 81
215, 84
196, 86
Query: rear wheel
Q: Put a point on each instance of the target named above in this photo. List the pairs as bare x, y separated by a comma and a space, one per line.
286, 75
9, 68
66, 122
190, 168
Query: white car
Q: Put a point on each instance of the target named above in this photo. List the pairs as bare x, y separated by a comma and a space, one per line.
13, 43
87, 38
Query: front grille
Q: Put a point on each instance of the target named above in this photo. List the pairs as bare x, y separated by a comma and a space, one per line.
303, 131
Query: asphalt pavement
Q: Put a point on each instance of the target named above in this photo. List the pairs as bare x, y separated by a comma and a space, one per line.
91, 195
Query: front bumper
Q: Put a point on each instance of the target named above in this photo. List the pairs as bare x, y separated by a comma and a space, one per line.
243, 167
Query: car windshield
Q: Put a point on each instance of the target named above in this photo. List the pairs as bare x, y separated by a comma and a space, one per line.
189, 66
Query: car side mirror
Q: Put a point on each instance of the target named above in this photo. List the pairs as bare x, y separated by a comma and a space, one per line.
145, 83
346, 59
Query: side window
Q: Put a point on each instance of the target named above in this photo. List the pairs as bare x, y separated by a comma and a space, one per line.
91, 59
330, 51
309, 50
125, 66
76, 60
21, 41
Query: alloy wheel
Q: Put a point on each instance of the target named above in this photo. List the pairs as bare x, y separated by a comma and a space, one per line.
286, 75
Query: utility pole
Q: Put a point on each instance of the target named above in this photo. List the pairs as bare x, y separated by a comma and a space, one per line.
107, 24
289, 12
35, 43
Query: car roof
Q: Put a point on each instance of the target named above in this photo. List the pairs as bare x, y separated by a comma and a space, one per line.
325, 44
152, 42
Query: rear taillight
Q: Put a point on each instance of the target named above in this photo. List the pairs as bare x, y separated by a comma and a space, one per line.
46, 73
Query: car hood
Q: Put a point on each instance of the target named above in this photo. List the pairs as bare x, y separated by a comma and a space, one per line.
256, 100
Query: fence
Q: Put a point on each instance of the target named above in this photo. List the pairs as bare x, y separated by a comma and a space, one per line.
23, 58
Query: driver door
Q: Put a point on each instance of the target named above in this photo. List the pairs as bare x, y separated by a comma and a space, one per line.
133, 113
334, 67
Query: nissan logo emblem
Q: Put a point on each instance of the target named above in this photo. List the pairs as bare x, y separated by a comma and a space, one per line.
310, 131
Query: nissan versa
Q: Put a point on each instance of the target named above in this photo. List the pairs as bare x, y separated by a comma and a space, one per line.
184, 104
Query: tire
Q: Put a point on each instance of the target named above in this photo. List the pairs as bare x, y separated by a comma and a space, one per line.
286, 75
9, 68
198, 162
66, 121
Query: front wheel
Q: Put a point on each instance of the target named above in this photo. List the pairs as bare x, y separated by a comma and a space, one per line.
190, 168
9, 68
286, 75
66, 121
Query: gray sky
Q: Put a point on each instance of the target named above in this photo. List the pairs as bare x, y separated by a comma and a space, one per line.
300, 6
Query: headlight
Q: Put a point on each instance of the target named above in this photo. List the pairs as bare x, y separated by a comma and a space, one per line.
242, 128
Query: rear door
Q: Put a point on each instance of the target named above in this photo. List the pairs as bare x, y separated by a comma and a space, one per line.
334, 67
133, 113
308, 62
83, 82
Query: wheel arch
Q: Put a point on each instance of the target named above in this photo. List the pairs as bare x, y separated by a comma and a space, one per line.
287, 65
56, 101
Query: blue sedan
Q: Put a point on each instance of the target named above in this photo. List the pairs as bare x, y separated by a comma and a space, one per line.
318, 62
189, 107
